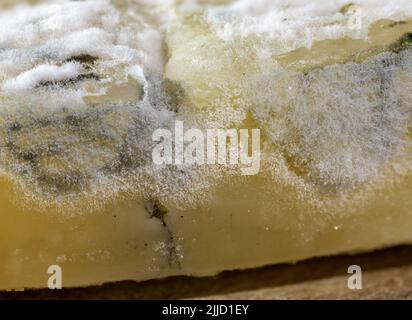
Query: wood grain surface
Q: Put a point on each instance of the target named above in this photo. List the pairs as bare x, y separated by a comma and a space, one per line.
387, 274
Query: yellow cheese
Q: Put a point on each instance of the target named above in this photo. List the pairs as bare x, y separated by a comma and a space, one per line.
83, 91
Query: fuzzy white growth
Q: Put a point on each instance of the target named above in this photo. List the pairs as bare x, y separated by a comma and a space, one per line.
53, 32
335, 127
59, 148
29, 79
339, 125
299, 23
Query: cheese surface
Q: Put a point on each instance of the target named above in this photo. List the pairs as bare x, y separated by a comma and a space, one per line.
84, 86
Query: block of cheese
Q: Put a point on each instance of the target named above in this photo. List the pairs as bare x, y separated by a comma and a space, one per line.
84, 86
